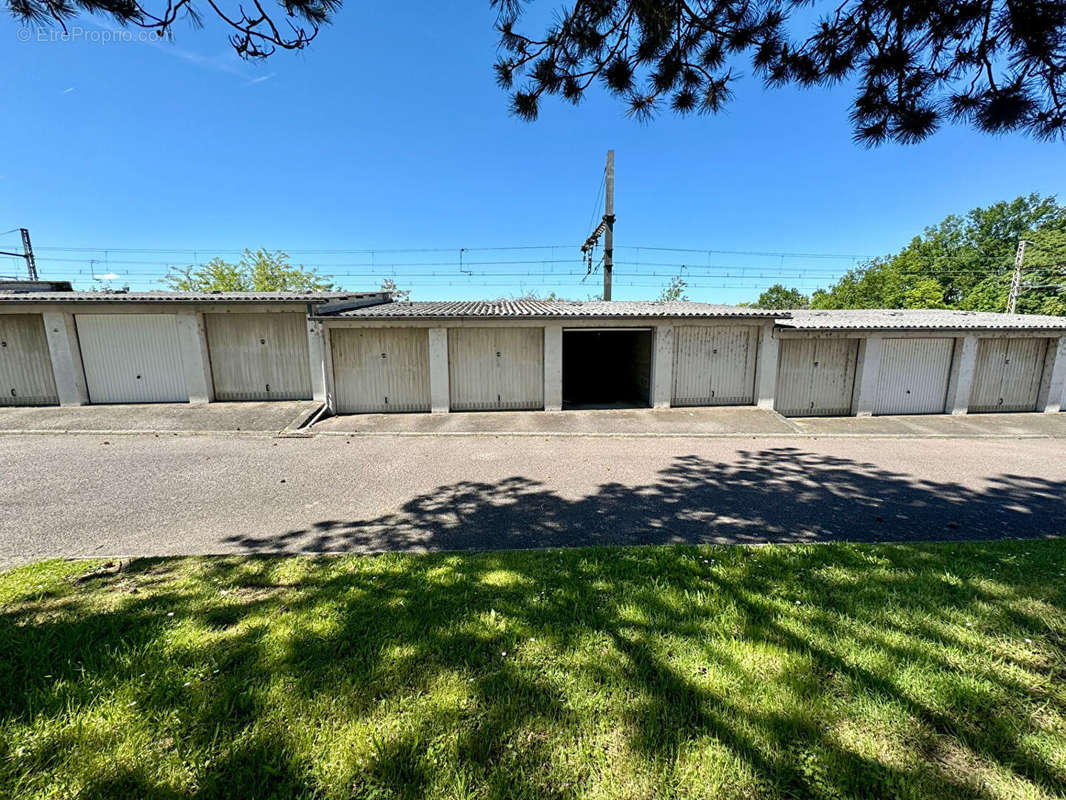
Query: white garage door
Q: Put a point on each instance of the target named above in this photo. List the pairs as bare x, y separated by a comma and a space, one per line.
714, 366
380, 369
26, 377
496, 368
914, 376
1008, 374
131, 358
816, 377
259, 356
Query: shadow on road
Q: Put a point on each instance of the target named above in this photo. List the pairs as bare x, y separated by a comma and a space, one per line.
781, 494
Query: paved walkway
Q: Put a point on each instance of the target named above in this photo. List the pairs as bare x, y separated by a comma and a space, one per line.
159, 417
726, 421
96, 495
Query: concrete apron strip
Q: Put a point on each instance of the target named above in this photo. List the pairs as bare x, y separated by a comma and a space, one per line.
133, 432
700, 435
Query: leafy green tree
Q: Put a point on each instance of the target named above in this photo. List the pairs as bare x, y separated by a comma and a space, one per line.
674, 290
779, 297
964, 262
926, 293
259, 271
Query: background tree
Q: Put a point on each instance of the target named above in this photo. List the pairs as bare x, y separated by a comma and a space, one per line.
779, 297
398, 294
995, 64
966, 262
674, 290
261, 271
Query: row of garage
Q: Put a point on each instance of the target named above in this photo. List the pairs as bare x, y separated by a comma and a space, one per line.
495, 356
137, 358
91, 347
362, 354
387, 369
816, 377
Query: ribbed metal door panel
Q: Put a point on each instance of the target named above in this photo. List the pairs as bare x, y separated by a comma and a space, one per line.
1008, 374
131, 358
259, 356
816, 377
377, 370
496, 368
26, 377
714, 366
914, 376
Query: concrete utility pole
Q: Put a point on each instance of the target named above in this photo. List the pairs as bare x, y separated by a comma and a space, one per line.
608, 218
1016, 278
605, 229
27, 254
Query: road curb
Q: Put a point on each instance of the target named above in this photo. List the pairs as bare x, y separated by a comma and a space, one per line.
312, 434
661, 435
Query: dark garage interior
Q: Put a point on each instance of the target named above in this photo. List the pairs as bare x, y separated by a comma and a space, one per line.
607, 368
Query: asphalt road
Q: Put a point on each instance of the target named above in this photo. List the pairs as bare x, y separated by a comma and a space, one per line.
147, 495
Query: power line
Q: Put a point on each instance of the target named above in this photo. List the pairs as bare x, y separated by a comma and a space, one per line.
502, 248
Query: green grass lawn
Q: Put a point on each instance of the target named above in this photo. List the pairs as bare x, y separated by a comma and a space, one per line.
802, 671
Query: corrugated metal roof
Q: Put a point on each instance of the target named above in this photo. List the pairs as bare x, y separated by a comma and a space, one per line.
183, 297
915, 319
551, 308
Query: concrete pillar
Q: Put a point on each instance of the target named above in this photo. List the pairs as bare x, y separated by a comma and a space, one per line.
439, 392
1053, 392
869, 371
662, 367
553, 367
766, 368
62, 334
316, 353
327, 368
195, 361
962, 371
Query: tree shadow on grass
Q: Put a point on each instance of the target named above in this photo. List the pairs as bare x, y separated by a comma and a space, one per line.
514, 675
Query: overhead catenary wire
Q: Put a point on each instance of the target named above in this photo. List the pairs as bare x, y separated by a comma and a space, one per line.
476, 266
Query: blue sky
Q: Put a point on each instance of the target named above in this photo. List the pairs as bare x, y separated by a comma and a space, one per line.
389, 135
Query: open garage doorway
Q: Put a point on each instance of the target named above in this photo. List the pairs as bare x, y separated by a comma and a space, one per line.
607, 368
